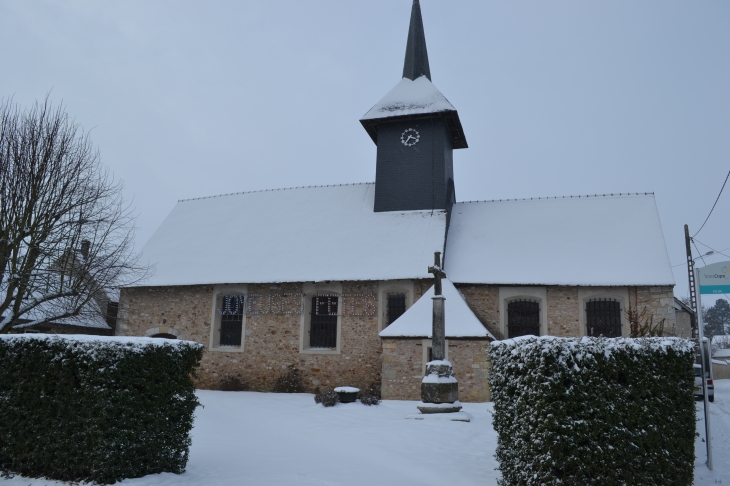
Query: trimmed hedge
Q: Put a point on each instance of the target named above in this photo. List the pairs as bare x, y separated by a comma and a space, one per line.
95, 408
593, 411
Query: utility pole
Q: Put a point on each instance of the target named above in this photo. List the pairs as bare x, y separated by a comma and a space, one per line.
692, 291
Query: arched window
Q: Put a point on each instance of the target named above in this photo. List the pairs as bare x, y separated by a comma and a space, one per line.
164, 336
523, 317
603, 317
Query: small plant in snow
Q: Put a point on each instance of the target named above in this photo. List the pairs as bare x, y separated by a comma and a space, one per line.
369, 400
289, 382
328, 399
232, 383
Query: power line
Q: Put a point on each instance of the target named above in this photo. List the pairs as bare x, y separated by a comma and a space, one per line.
713, 206
714, 251
698, 251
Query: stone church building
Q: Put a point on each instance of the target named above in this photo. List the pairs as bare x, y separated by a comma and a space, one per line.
334, 281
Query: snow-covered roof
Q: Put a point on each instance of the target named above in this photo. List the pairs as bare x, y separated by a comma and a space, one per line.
410, 98
417, 321
292, 235
681, 306
603, 240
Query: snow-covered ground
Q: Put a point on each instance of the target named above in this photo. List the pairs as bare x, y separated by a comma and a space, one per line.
283, 440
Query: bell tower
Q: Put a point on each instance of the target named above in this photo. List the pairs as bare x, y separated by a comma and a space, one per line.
416, 130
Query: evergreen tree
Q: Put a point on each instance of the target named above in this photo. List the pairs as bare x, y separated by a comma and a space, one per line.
717, 319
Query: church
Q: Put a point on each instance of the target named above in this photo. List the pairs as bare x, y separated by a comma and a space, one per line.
333, 280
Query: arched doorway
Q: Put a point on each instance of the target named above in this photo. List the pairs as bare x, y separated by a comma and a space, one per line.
164, 336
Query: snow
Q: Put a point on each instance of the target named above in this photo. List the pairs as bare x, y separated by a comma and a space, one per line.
456, 403
292, 235
435, 378
283, 439
410, 98
439, 362
603, 240
346, 389
417, 321
136, 342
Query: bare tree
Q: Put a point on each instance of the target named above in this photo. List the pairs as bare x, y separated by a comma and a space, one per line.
66, 233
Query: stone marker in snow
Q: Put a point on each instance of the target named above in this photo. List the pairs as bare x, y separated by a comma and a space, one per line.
439, 388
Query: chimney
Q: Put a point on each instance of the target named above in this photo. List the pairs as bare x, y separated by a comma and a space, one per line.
85, 245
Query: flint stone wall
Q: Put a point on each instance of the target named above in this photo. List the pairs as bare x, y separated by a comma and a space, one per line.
271, 341
403, 368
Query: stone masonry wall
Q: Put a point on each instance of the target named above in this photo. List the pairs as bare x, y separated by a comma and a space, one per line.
563, 312
271, 341
659, 303
483, 300
403, 369
684, 324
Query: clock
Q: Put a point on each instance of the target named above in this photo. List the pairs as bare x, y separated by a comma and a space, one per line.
410, 137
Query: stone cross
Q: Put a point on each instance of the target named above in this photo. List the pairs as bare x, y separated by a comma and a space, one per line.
438, 343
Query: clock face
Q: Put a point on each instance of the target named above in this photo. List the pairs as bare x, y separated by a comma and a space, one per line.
410, 137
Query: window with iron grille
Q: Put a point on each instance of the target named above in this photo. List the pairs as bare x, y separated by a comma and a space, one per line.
231, 312
323, 324
396, 306
523, 318
603, 317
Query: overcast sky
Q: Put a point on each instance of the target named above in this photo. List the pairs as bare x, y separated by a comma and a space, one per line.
187, 99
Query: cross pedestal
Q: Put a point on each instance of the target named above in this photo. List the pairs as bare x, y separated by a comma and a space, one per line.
439, 388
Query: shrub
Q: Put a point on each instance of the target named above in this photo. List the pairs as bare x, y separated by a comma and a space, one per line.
593, 411
328, 399
90, 408
367, 399
289, 382
232, 383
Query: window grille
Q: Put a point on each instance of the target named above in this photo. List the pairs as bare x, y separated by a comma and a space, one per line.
523, 318
323, 325
603, 317
396, 307
231, 312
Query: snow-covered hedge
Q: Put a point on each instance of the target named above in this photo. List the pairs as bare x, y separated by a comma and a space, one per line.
593, 411
95, 408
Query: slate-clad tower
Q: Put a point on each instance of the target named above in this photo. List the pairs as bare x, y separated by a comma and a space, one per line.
416, 129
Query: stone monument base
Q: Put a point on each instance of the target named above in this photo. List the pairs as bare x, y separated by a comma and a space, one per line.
448, 417
439, 407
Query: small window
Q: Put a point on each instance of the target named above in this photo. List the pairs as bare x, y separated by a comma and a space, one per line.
603, 317
523, 318
396, 306
323, 324
231, 312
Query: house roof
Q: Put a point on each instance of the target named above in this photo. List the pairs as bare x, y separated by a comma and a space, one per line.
681, 306
596, 240
292, 235
410, 97
459, 319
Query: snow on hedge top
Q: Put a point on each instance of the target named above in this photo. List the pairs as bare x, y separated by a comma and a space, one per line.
135, 342
603, 345
292, 235
417, 321
611, 240
410, 98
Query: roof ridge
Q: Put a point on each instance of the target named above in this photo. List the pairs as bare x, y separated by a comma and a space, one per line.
613, 194
272, 190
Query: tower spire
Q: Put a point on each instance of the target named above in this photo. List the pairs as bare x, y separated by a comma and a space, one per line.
416, 62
